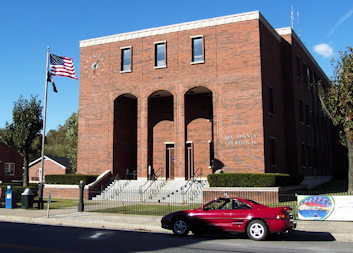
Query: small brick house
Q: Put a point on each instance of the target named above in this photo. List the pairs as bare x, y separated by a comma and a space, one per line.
184, 100
52, 165
11, 163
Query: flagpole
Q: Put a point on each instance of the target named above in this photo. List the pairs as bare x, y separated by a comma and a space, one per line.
41, 185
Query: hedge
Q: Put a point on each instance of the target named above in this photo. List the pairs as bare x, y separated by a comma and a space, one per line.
253, 179
70, 179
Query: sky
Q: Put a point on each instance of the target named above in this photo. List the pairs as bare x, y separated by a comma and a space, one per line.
28, 28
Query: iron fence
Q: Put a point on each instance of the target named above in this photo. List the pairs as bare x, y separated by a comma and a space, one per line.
144, 203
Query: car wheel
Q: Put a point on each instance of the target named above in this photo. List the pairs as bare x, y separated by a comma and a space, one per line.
257, 230
180, 226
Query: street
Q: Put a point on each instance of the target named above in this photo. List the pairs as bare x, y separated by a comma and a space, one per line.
16, 237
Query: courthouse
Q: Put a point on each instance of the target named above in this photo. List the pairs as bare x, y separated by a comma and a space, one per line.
186, 100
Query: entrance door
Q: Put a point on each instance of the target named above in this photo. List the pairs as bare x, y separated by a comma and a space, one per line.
189, 160
170, 160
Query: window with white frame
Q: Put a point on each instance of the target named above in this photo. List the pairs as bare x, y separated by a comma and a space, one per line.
160, 54
197, 49
126, 59
9, 169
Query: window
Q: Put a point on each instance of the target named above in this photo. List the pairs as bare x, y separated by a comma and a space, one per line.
271, 109
307, 112
160, 54
272, 152
9, 169
305, 76
125, 59
197, 50
309, 156
298, 66
303, 154
301, 113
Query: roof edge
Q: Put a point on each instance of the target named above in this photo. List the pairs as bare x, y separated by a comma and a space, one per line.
176, 28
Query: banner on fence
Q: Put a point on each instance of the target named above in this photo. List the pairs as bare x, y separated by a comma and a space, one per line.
333, 208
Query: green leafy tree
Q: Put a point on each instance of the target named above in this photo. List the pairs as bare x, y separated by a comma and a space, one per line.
337, 102
62, 142
54, 142
71, 132
26, 127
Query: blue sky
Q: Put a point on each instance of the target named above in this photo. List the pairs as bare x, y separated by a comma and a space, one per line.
27, 28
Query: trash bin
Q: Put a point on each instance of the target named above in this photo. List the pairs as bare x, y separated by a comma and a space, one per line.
27, 198
10, 198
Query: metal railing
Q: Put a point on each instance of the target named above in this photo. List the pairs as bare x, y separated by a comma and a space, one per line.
127, 203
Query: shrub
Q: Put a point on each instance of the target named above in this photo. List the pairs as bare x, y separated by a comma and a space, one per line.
70, 179
253, 180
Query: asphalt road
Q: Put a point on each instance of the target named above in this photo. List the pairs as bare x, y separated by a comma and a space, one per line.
19, 237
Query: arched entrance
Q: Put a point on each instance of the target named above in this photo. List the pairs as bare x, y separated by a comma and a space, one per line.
161, 135
198, 132
125, 136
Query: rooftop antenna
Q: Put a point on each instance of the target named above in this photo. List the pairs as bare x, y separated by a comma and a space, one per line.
298, 23
292, 16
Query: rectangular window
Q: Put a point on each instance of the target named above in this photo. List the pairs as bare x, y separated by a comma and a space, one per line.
298, 67
160, 54
305, 76
301, 112
9, 169
197, 49
271, 108
303, 154
272, 151
307, 112
125, 59
309, 156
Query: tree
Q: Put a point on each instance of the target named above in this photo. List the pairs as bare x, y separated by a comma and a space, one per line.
26, 127
71, 129
62, 142
337, 102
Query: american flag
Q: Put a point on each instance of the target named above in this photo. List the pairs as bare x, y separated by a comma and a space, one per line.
62, 66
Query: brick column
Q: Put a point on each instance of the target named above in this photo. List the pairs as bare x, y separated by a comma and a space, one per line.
142, 135
179, 124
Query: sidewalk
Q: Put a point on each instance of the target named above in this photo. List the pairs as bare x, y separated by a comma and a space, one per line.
338, 230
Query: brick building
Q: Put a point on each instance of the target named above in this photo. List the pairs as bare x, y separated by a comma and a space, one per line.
52, 165
11, 163
228, 93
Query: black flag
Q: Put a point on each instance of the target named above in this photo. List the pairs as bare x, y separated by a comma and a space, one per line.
50, 79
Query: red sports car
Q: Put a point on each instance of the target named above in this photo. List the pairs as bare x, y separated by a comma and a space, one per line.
232, 215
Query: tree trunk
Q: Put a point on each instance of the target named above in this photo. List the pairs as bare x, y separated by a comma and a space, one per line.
25, 171
350, 165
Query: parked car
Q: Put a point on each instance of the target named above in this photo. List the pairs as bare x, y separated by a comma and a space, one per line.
232, 215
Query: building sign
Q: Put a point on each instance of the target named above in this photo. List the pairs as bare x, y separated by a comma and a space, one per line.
240, 139
334, 208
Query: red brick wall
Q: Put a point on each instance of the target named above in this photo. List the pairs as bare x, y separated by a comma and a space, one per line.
10, 155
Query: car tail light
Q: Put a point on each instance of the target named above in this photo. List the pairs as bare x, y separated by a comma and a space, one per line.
282, 216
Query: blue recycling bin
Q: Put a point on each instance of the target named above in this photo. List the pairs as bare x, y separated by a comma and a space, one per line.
10, 198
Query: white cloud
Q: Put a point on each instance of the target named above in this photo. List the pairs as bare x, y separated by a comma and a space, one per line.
324, 49
343, 18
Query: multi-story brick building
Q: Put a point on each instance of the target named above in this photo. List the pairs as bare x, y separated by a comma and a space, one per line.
227, 93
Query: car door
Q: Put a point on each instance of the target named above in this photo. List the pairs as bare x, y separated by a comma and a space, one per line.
214, 217
240, 214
